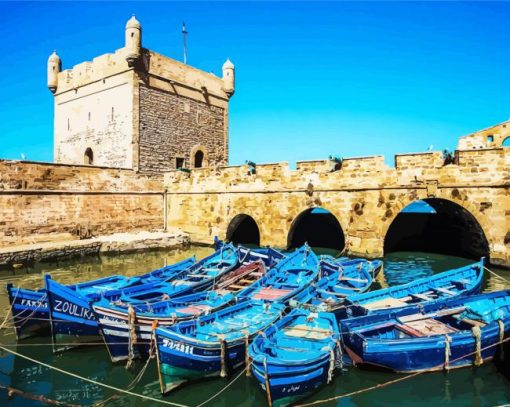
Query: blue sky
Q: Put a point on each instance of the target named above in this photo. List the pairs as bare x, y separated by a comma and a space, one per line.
313, 79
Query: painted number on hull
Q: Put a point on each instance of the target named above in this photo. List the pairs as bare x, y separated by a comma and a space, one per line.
178, 346
34, 303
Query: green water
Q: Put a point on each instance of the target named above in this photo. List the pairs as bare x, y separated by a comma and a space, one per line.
483, 386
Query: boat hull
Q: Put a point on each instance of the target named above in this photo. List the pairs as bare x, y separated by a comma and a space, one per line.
290, 388
417, 339
29, 310
178, 368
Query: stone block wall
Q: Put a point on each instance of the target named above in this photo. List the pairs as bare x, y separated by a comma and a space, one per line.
51, 202
172, 126
365, 196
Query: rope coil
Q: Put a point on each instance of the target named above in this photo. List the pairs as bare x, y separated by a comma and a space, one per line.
223, 372
132, 336
447, 352
477, 334
501, 325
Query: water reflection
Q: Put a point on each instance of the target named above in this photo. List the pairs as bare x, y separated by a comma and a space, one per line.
481, 386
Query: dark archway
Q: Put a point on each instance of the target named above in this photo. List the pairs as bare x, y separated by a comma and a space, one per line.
88, 157
317, 227
506, 142
437, 226
198, 159
243, 230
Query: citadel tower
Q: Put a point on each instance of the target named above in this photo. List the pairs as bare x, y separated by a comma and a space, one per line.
138, 109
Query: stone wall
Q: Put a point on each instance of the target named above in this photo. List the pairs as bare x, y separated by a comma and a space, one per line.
365, 195
172, 126
53, 202
491, 137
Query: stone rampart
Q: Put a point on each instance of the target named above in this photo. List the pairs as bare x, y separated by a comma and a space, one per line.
365, 195
54, 202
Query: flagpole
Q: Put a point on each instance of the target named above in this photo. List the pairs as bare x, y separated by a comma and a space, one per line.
184, 32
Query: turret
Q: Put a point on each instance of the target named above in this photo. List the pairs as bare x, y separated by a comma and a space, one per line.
54, 67
228, 78
133, 40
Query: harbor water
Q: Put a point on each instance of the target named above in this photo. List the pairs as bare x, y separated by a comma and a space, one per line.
486, 385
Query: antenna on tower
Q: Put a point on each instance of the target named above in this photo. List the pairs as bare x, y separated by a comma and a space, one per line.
184, 33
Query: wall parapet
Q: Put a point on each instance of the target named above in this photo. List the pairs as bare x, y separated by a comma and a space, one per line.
412, 170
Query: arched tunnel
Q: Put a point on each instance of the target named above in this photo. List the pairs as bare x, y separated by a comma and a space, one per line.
243, 229
319, 228
438, 226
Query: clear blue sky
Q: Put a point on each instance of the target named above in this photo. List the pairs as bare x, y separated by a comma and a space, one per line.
313, 79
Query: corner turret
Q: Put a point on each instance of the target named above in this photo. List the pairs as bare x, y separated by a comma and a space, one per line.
228, 77
54, 67
133, 40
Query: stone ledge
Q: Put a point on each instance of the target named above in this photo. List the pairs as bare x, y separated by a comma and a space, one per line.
116, 243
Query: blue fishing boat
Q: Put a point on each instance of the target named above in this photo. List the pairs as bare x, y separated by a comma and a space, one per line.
211, 345
441, 335
337, 281
268, 255
72, 320
30, 310
296, 356
288, 278
126, 330
449, 284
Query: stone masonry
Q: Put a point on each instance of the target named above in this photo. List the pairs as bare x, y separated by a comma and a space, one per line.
165, 118
365, 195
139, 109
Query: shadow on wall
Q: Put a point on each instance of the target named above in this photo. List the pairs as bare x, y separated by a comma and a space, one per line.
446, 228
243, 229
319, 228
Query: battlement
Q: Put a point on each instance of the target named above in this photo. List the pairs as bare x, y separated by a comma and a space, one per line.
169, 69
471, 167
87, 72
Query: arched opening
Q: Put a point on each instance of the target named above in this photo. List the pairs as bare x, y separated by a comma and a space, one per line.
506, 142
198, 159
317, 227
88, 157
437, 226
243, 230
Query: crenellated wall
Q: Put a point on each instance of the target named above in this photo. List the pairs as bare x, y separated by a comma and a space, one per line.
365, 195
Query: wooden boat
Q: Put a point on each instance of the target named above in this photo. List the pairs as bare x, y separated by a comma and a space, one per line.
126, 329
212, 345
449, 284
30, 310
268, 255
71, 318
340, 279
444, 334
296, 356
288, 278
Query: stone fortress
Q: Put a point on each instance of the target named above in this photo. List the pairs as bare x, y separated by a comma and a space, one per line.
140, 110
125, 121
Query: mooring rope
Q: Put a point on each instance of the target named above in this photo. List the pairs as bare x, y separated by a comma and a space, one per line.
86, 379
496, 274
390, 382
224, 388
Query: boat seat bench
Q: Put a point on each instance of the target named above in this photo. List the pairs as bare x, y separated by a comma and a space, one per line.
425, 327
356, 280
